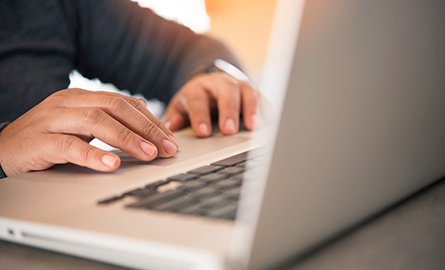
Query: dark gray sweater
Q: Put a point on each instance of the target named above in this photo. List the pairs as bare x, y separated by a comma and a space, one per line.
41, 41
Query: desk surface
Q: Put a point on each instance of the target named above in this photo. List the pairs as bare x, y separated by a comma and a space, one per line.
409, 236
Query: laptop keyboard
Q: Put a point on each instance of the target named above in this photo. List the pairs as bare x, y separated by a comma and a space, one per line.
211, 191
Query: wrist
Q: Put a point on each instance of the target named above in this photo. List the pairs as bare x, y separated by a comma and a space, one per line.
220, 65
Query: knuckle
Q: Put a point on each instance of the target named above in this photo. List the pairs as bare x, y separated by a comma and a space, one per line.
87, 154
125, 136
65, 145
93, 116
116, 103
149, 129
134, 102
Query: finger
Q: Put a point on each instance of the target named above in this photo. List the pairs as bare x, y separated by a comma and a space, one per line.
177, 121
130, 112
143, 103
135, 120
94, 122
228, 102
72, 149
175, 117
158, 123
198, 106
114, 104
249, 104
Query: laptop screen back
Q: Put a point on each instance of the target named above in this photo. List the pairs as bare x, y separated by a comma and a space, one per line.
362, 123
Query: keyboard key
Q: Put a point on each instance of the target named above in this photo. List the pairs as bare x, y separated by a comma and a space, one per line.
183, 177
157, 184
206, 192
238, 177
211, 178
226, 184
232, 194
177, 204
193, 185
141, 193
205, 206
158, 199
231, 170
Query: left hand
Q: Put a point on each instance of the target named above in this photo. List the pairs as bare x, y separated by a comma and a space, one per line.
214, 94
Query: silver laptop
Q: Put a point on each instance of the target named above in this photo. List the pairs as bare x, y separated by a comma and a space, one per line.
359, 87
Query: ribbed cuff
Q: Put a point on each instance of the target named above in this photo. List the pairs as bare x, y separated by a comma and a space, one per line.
2, 173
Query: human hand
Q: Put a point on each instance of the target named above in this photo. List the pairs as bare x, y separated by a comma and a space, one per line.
59, 129
211, 94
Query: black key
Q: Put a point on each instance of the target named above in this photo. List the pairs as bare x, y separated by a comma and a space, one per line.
183, 177
204, 207
232, 195
205, 193
231, 170
193, 211
141, 193
214, 202
211, 178
193, 185
205, 170
231, 161
177, 204
226, 184
157, 184
238, 177
110, 200
158, 199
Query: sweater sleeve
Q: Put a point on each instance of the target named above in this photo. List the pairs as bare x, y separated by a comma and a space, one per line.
131, 47
2, 173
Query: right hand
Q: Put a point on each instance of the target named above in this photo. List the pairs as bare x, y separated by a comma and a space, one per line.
59, 129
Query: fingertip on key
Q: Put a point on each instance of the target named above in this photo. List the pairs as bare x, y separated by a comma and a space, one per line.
110, 161
174, 140
169, 147
229, 126
203, 129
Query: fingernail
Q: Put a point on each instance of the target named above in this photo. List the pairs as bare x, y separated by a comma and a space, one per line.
230, 125
255, 121
203, 129
174, 140
148, 149
169, 147
109, 161
167, 124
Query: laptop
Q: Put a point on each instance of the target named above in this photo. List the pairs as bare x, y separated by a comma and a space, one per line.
358, 89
